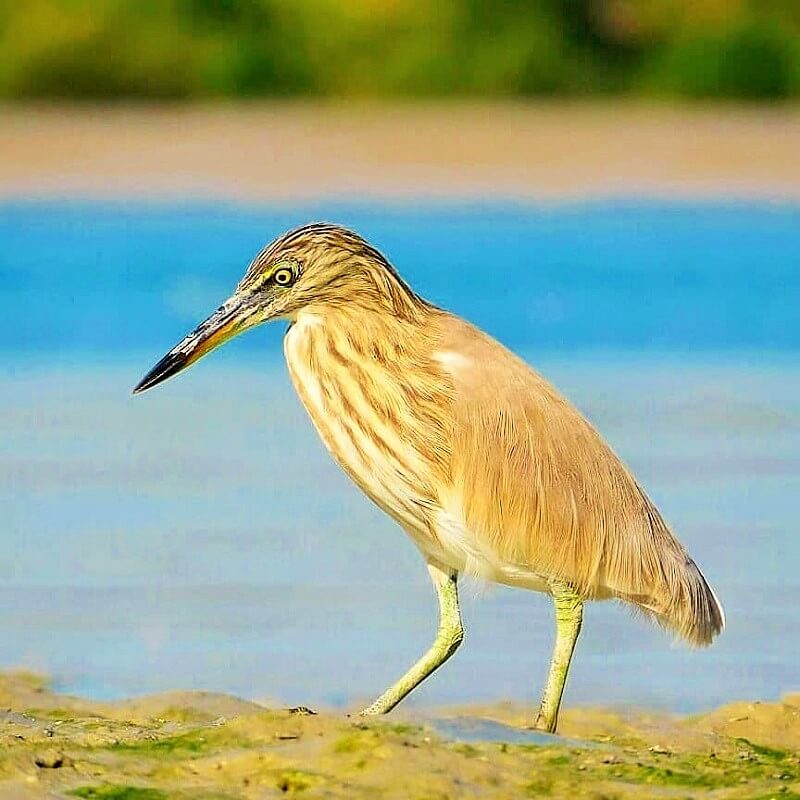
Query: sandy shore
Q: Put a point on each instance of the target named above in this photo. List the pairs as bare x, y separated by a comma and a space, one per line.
299, 152
200, 745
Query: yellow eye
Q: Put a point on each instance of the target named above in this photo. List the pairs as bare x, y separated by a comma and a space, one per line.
283, 276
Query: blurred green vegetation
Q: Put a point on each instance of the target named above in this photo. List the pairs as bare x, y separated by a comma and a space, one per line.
745, 49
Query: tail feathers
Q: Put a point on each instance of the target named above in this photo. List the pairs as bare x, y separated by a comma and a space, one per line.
687, 605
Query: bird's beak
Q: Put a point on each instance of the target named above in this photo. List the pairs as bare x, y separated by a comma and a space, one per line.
230, 319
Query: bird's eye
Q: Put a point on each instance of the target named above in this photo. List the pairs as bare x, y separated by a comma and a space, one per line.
283, 276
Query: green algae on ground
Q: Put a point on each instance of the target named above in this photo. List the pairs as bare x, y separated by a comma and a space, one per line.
109, 792
194, 743
466, 749
51, 714
775, 796
669, 776
402, 728
364, 736
295, 780
192, 747
350, 743
771, 753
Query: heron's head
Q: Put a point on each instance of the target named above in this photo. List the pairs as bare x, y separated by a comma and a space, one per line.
311, 268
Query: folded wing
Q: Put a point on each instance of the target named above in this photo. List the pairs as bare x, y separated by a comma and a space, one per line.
541, 489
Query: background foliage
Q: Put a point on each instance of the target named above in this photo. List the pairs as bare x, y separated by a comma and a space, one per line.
216, 48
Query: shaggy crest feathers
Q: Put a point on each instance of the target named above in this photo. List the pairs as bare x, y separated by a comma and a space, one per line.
338, 267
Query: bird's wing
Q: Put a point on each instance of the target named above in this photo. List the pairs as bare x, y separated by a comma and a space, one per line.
539, 487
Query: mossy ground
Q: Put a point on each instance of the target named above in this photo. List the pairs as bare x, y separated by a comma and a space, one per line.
196, 745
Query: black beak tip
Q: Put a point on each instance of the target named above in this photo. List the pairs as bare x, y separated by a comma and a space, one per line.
166, 368
144, 384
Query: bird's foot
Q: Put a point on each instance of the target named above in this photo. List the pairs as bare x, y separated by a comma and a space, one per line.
376, 709
544, 724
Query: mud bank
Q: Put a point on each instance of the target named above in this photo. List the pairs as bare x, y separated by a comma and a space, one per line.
202, 745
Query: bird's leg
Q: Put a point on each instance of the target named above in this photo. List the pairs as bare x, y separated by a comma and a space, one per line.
448, 638
569, 614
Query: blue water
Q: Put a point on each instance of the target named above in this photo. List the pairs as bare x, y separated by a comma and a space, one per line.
651, 277
199, 536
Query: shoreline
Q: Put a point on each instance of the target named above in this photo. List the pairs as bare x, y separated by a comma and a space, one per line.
299, 152
198, 744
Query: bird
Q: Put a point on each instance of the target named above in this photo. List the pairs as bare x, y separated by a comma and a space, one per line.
491, 471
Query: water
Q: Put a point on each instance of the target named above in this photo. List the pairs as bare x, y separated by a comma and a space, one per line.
200, 537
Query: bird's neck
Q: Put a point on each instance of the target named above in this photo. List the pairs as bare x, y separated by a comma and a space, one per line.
337, 338
367, 327
368, 383
378, 305
368, 291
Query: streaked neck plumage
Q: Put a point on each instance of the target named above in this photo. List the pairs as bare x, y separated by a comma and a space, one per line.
357, 372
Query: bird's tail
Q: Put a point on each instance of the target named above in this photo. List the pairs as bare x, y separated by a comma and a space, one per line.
686, 604
658, 577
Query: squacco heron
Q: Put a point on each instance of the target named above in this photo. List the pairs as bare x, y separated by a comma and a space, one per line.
489, 470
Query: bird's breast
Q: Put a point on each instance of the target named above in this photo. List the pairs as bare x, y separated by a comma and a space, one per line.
361, 411
385, 423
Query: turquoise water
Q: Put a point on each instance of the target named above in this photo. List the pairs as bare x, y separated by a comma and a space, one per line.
199, 536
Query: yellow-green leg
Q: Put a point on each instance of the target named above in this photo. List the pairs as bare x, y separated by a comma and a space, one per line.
569, 615
448, 638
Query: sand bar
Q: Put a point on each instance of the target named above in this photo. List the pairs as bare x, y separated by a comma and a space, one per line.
299, 152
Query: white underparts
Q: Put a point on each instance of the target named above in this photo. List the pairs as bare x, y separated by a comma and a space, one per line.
462, 550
